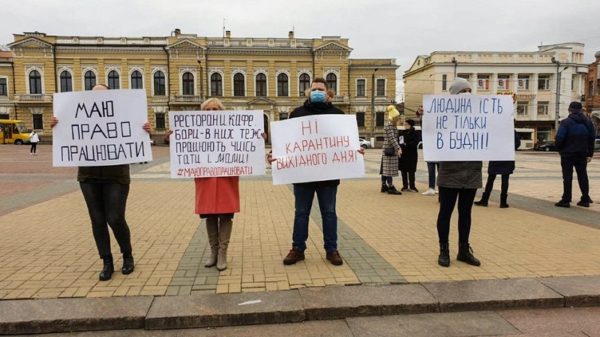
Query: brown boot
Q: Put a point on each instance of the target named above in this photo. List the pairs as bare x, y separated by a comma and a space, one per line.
225, 226
335, 258
293, 256
212, 230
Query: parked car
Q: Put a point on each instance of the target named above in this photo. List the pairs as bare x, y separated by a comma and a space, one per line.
547, 146
365, 144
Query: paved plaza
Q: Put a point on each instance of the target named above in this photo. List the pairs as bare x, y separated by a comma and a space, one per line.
47, 249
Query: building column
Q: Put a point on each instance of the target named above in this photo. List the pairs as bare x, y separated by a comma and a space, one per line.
473, 78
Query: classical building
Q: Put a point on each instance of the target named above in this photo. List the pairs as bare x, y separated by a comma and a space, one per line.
531, 77
179, 71
592, 91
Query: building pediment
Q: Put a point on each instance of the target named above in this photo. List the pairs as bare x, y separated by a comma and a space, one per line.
419, 62
333, 46
31, 42
261, 101
185, 44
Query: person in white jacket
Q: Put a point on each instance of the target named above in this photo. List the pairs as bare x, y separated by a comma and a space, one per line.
33, 139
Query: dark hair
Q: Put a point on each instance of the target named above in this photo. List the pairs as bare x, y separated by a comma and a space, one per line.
321, 80
410, 122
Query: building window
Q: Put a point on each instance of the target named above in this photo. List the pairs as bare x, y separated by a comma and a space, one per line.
261, 85
597, 86
159, 84
380, 87
216, 85
89, 80
38, 122
304, 84
591, 88
503, 82
113, 80
282, 85
160, 121
544, 82
137, 81
239, 85
188, 83
522, 108
523, 82
379, 118
35, 82
444, 82
331, 80
66, 81
360, 88
360, 119
464, 76
3, 87
283, 115
542, 108
543, 134
483, 82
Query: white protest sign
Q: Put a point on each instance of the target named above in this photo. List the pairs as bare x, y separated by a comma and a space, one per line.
216, 143
100, 128
316, 148
468, 127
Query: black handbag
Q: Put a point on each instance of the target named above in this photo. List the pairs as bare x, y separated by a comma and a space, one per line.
389, 151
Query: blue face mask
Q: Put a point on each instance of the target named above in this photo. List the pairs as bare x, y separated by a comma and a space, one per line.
318, 96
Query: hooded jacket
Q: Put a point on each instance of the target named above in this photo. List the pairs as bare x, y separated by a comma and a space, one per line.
576, 135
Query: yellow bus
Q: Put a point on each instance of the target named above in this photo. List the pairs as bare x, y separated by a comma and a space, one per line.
13, 131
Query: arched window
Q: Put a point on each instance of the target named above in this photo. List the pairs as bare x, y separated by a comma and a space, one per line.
159, 83
113, 80
261, 85
239, 85
304, 84
89, 80
331, 80
66, 81
35, 82
137, 82
282, 85
216, 85
188, 83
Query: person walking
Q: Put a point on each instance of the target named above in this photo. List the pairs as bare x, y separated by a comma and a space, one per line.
105, 190
457, 180
391, 153
409, 139
575, 143
503, 168
34, 139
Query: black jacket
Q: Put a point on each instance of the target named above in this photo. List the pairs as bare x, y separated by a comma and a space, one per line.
311, 109
409, 156
576, 135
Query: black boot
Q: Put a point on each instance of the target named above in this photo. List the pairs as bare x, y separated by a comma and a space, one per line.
107, 269
393, 190
128, 264
503, 203
384, 188
481, 203
444, 258
465, 254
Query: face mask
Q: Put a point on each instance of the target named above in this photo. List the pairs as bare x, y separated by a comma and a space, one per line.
318, 96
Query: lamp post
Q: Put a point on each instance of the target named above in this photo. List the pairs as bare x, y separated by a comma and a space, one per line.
558, 80
373, 102
455, 65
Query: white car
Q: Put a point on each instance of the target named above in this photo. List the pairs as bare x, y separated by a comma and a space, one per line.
365, 144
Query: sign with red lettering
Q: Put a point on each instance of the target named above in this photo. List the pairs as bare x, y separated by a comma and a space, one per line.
468, 128
316, 148
216, 143
100, 128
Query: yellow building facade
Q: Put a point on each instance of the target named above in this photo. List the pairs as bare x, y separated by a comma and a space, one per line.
180, 71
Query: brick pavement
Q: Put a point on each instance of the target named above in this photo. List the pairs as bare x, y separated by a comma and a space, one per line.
47, 250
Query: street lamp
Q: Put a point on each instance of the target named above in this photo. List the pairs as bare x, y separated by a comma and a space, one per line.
455, 65
373, 102
558, 80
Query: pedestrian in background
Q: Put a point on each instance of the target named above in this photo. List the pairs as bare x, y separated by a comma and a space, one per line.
409, 140
457, 180
34, 139
575, 143
390, 153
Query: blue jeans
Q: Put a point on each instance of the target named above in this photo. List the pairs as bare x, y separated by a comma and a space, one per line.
304, 195
106, 203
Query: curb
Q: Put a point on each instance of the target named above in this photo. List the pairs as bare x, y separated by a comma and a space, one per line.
306, 304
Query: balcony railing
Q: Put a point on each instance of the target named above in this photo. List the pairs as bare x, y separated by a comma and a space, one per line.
188, 99
34, 98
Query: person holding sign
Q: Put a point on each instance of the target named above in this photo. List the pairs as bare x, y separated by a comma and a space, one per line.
317, 104
391, 153
457, 180
105, 190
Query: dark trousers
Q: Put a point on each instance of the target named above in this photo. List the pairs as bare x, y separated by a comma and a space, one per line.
106, 203
408, 179
33, 148
567, 162
304, 195
387, 180
431, 173
448, 197
490, 185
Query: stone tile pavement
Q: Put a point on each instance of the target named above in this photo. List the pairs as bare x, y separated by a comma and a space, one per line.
47, 250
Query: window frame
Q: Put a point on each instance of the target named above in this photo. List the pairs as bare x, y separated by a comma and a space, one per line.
37, 84
62, 81
283, 86
93, 80
155, 91
137, 80
239, 85
216, 85
187, 84
303, 84
110, 80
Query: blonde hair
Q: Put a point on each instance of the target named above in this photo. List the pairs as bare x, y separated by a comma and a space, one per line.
214, 101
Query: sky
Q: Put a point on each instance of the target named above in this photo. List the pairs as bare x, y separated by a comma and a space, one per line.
375, 29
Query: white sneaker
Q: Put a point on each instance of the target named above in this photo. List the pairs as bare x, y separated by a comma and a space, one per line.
430, 191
